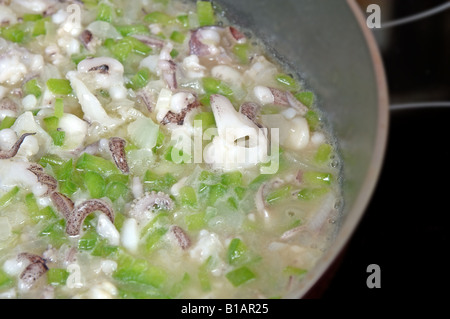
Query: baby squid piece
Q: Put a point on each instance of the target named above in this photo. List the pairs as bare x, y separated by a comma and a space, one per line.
117, 149
44, 178
33, 271
77, 217
15, 148
182, 238
63, 203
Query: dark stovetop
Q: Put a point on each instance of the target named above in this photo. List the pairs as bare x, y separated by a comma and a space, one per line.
405, 230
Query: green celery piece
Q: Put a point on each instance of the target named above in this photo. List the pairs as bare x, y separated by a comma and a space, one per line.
153, 182
317, 178
207, 120
215, 86
294, 271
7, 198
287, 82
55, 233
40, 27
5, 280
31, 17
59, 86
215, 192
116, 190
120, 49
88, 240
97, 164
183, 20
236, 253
195, 221
59, 108
63, 171
32, 87
176, 156
103, 249
240, 192
205, 13
137, 46
140, 79
177, 37
51, 123
121, 178
323, 154
105, 13
306, 98
240, 276
233, 203
153, 239
58, 137
188, 196
159, 17
278, 194
240, 50
140, 271
57, 276
181, 285
312, 193
52, 159
313, 120
95, 184
13, 33
232, 178
203, 274
31, 203
126, 30
160, 219
7, 122
140, 291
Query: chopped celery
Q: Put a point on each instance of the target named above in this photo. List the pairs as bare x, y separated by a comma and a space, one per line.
323, 153
140, 79
154, 238
96, 164
7, 198
57, 276
136, 45
177, 36
131, 29
95, 184
236, 252
181, 285
312, 193
233, 203
52, 159
59, 86
306, 98
13, 33
51, 123
240, 50
116, 190
59, 108
103, 249
7, 122
203, 274
240, 192
153, 182
215, 192
88, 240
287, 82
140, 291
207, 120
177, 156
313, 120
317, 178
183, 20
133, 270
294, 271
232, 178
55, 233
188, 197
5, 279
58, 137
159, 17
32, 206
31, 17
105, 13
39, 27
216, 86
240, 276
32, 87
195, 221
121, 178
205, 13
63, 171
278, 194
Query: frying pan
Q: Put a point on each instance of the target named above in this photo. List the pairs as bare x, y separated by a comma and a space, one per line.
328, 45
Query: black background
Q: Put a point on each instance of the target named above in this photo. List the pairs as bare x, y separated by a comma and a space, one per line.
405, 229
